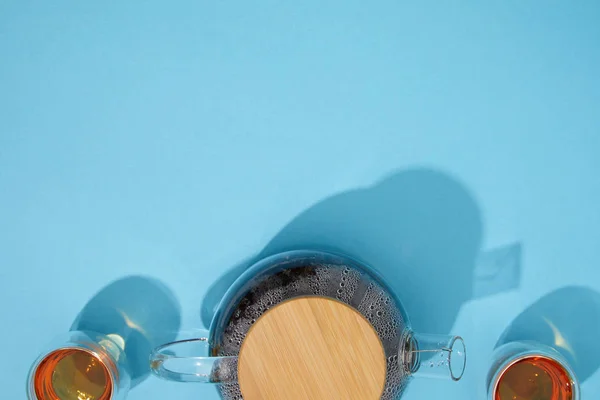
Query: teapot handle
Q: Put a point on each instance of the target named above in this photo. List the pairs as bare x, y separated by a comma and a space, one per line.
179, 361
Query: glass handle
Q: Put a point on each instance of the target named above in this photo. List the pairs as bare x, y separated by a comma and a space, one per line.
434, 356
179, 361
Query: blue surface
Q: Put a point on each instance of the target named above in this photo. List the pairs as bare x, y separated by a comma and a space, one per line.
177, 141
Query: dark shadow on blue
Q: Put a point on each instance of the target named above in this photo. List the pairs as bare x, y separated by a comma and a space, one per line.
141, 310
498, 270
567, 319
420, 229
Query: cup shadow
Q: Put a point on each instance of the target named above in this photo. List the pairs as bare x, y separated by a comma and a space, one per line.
139, 311
420, 229
568, 320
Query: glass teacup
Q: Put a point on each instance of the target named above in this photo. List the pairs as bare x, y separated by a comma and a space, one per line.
80, 366
528, 370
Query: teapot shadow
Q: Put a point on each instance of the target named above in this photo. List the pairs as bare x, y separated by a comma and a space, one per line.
568, 320
420, 229
140, 311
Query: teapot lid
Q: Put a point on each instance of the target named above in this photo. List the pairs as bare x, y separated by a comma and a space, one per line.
312, 347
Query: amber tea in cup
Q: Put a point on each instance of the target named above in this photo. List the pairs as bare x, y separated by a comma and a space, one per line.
72, 374
83, 366
531, 371
534, 378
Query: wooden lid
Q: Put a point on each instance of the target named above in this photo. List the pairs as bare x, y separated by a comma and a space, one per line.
311, 348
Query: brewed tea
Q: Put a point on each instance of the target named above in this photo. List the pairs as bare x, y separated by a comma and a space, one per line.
72, 374
534, 378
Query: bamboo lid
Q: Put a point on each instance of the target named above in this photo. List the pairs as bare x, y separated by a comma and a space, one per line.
311, 348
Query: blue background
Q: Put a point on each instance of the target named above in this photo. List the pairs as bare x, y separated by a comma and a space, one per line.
175, 140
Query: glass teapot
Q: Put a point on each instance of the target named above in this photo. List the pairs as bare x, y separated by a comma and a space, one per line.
212, 357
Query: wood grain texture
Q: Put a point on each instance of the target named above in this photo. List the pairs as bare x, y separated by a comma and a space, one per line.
312, 348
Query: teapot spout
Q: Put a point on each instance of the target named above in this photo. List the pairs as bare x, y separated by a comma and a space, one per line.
433, 356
